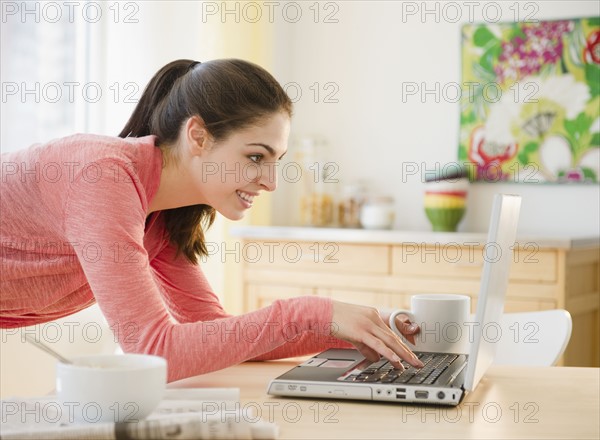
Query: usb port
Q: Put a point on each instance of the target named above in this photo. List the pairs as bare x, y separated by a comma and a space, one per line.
421, 394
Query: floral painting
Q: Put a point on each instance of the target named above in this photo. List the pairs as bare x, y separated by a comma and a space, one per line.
530, 107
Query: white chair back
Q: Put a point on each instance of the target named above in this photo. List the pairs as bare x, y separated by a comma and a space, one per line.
533, 338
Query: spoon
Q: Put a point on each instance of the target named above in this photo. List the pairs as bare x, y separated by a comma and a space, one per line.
47, 349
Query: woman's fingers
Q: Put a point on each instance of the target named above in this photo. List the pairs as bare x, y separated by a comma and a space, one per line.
395, 345
367, 352
380, 347
407, 328
364, 328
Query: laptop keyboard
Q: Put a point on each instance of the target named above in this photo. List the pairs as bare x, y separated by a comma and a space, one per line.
384, 372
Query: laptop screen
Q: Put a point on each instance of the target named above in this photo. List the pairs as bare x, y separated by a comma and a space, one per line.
497, 254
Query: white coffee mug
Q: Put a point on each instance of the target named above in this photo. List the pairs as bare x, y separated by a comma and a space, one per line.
443, 321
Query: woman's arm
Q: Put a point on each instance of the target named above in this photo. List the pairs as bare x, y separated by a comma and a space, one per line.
189, 298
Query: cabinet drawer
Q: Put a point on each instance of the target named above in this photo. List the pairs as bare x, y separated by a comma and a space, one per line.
529, 264
317, 256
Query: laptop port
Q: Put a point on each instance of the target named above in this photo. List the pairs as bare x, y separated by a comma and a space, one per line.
401, 390
421, 394
400, 396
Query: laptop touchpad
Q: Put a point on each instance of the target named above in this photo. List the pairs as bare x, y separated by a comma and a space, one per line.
336, 363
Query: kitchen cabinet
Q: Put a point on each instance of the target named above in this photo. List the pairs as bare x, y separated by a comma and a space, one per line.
385, 268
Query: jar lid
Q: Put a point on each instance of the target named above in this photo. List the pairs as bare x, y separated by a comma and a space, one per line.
353, 189
380, 199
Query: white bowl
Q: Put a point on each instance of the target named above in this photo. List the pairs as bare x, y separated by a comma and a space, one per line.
111, 388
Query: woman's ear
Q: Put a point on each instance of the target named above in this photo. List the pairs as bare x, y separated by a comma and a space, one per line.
197, 136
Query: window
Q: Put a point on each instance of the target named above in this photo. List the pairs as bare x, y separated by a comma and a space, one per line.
43, 70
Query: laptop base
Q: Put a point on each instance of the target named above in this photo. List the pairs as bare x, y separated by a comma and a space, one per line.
326, 376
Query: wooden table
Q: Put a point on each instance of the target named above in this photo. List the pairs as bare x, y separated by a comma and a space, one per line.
510, 402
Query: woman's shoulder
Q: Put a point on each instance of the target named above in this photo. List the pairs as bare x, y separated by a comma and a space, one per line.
98, 142
86, 144
83, 149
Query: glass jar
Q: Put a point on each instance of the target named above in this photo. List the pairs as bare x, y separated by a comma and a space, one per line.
377, 213
316, 209
349, 206
316, 203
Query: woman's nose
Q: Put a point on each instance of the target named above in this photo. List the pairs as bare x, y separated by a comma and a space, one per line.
268, 176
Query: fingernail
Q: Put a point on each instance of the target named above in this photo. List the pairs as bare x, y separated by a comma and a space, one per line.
412, 327
398, 362
417, 362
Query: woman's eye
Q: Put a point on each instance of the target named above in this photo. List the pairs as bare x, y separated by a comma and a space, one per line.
256, 158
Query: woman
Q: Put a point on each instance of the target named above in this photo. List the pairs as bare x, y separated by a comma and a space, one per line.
120, 221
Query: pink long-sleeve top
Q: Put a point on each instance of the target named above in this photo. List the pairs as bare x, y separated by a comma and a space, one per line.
74, 230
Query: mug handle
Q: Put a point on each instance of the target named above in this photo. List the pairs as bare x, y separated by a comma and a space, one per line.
392, 320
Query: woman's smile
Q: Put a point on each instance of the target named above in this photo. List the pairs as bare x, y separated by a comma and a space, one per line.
246, 198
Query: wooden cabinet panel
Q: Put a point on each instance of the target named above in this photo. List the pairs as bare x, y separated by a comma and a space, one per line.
535, 266
362, 297
387, 275
318, 256
455, 261
584, 346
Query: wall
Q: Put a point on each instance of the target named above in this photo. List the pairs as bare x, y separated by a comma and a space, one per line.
374, 132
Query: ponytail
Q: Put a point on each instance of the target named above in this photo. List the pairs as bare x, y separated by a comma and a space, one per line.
228, 95
157, 89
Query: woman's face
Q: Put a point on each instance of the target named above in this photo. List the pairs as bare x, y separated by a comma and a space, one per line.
228, 175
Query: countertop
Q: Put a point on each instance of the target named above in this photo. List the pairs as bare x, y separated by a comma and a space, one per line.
341, 235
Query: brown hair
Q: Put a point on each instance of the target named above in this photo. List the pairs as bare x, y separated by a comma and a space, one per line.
228, 95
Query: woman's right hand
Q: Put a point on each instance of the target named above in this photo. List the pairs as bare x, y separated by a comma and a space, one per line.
364, 328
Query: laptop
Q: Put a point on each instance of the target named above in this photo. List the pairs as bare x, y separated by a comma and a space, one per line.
446, 378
